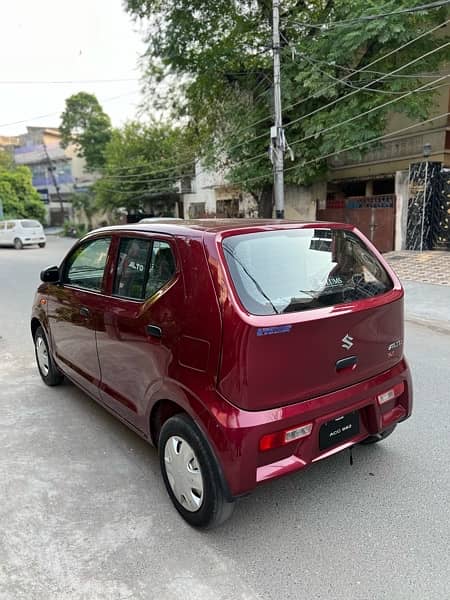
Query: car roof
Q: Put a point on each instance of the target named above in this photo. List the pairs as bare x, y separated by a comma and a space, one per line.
195, 227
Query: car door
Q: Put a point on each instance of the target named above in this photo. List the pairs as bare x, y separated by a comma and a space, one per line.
136, 347
75, 312
10, 232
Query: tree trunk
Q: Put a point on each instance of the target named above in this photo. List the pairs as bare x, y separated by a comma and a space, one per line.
265, 204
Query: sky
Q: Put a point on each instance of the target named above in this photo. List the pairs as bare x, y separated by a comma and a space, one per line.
54, 40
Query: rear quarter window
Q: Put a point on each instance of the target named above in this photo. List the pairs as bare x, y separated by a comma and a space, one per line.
28, 224
301, 269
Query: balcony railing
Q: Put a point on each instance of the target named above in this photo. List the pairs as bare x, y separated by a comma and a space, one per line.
393, 150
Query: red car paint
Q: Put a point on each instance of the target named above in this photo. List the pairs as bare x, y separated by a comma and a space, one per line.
237, 386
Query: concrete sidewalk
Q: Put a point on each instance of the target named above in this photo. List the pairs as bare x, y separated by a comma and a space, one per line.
426, 279
426, 267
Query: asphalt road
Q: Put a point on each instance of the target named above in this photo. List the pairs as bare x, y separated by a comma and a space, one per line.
84, 515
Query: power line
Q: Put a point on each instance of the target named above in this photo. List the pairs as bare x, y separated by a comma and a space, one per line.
424, 87
365, 113
355, 71
62, 81
328, 87
337, 100
372, 140
347, 149
365, 18
59, 112
362, 69
366, 88
377, 60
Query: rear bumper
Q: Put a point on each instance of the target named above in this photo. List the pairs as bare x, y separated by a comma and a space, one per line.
245, 466
29, 241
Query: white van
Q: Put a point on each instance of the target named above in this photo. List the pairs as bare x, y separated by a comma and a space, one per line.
21, 232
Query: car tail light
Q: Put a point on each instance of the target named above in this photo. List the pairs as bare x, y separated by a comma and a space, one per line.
281, 438
394, 392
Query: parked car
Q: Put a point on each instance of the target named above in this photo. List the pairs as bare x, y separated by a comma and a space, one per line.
243, 350
158, 219
21, 232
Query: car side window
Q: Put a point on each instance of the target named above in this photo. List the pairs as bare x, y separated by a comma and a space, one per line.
161, 268
131, 271
10, 225
143, 268
85, 267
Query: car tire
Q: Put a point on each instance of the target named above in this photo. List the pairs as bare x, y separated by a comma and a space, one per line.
48, 370
18, 244
41, 244
379, 437
191, 474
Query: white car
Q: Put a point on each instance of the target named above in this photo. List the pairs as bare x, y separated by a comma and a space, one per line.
159, 219
21, 232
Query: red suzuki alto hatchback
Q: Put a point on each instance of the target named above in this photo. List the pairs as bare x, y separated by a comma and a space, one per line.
243, 350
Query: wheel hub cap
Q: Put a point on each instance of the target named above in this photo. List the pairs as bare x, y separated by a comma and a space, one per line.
42, 355
184, 473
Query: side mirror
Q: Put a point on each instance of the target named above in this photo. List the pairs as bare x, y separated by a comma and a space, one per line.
50, 275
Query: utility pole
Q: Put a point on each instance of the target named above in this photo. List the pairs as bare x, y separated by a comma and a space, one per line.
276, 133
51, 169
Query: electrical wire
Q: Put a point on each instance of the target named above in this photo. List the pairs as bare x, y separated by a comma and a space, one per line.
372, 140
347, 149
425, 87
159, 171
59, 112
365, 113
362, 69
337, 100
366, 88
377, 60
355, 71
365, 18
63, 81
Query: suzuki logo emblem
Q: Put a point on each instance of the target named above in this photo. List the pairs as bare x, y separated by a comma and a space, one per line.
347, 342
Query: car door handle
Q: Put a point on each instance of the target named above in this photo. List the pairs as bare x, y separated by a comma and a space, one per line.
84, 312
154, 331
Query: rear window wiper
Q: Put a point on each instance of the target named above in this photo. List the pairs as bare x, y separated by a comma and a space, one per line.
250, 276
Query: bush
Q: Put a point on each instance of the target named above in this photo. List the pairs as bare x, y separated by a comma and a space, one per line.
71, 229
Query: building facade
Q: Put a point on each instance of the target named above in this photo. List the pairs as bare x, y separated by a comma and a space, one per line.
57, 173
379, 192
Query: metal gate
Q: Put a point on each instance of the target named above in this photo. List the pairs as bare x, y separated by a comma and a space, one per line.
373, 215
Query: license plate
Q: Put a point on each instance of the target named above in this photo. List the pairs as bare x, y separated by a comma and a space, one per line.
339, 430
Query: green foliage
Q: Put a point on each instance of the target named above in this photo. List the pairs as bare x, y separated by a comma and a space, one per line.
218, 52
6, 159
71, 229
143, 161
19, 198
84, 124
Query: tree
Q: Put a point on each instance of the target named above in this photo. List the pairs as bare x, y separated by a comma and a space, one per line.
143, 161
18, 196
6, 159
219, 52
84, 124
87, 203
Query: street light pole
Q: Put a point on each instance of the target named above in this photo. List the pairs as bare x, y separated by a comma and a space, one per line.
277, 134
51, 169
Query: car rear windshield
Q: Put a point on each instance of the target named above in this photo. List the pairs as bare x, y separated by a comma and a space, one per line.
30, 224
293, 270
